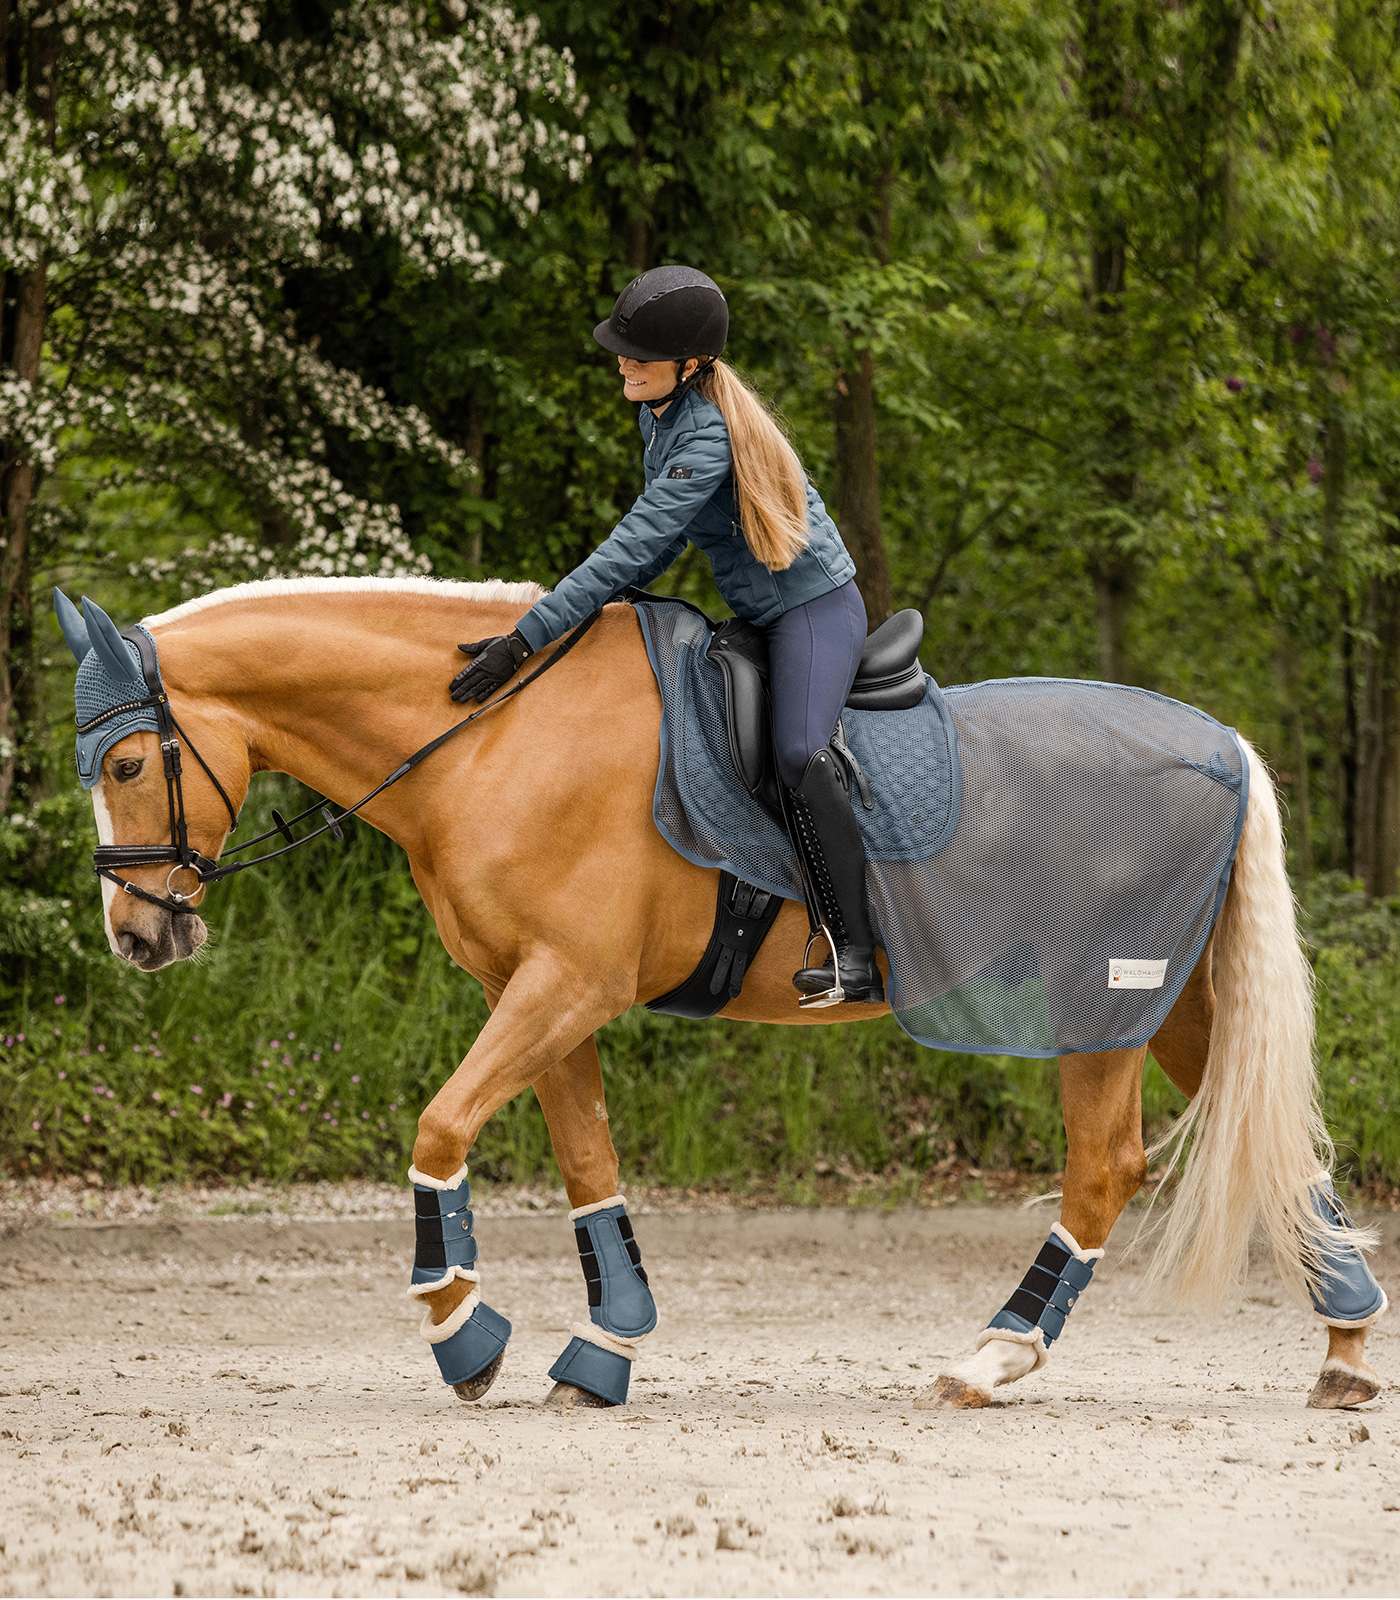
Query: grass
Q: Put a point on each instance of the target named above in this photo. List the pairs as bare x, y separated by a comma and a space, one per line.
326, 1014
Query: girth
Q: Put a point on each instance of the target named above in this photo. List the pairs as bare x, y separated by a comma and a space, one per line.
743, 916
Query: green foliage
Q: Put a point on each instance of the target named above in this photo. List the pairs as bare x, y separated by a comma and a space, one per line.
1356, 955
1127, 277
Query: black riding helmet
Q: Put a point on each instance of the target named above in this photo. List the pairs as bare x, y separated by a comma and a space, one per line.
668, 314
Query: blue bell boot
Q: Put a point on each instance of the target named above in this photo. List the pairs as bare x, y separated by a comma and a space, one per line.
470, 1344
598, 1357
1347, 1294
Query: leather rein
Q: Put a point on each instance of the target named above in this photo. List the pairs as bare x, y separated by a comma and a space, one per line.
179, 853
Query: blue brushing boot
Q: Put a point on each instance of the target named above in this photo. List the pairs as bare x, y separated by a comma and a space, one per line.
1346, 1294
598, 1358
471, 1343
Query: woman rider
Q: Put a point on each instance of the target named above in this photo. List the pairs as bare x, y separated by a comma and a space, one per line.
720, 473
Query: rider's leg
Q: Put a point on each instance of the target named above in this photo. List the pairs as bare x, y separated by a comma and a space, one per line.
1105, 1167
814, 651
596, 1364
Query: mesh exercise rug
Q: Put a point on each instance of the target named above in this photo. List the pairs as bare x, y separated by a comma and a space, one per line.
1047, 856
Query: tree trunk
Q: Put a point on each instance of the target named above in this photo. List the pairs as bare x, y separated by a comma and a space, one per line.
1377, 853
1378, 765
1334, 484
474, 445
1300, 813
1105, 40
858, 482
23, 339
1115, 584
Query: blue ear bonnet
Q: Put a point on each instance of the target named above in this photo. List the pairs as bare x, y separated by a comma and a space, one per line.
109, 677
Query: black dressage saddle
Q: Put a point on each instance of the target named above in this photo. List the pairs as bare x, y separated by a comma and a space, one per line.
889, 678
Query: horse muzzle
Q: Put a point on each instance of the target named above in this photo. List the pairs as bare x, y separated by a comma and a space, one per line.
151, 938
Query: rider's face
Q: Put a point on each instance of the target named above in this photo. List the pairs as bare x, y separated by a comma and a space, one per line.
649, 380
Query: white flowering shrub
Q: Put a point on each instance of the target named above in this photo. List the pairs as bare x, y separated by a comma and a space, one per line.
202, 149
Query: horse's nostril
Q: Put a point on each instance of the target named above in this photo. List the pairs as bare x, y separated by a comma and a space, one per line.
131, 947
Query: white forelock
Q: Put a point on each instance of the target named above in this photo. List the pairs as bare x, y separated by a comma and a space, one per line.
492, 589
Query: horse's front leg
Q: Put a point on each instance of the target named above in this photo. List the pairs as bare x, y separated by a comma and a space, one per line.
537, 1020
595, 1367
1105, 1167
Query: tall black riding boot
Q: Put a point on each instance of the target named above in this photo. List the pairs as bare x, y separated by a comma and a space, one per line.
828, 839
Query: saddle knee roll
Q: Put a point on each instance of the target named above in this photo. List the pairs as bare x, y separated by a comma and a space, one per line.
1346, 1294
1036, 1312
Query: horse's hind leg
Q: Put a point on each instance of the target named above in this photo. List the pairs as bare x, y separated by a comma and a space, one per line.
596, 1365
1102, 1098
1351, 1295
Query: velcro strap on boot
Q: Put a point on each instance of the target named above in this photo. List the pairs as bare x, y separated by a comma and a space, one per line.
445, 1246
1345, 1293
619, 1298
1048, 1291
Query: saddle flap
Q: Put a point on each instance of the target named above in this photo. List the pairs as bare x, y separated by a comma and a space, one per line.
741, 652
889, 677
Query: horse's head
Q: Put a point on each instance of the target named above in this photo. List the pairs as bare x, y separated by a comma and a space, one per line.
122, 763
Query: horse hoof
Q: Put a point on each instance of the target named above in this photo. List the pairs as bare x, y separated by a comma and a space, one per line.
565, 1396
1339, 1386
474, 1388
952, 1394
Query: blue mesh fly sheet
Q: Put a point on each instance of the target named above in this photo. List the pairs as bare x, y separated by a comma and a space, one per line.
1046, 856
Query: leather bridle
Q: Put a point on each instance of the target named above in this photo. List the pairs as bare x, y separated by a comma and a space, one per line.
179, 853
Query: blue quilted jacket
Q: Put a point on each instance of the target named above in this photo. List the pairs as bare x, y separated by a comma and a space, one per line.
689, 498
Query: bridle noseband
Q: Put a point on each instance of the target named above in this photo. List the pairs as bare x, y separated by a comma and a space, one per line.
179, 853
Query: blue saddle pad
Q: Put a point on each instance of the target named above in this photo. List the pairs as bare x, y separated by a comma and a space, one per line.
1046, 856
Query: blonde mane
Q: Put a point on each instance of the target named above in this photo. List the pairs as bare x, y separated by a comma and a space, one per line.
493, 589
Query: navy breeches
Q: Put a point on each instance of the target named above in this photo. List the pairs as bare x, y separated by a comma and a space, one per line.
813, 653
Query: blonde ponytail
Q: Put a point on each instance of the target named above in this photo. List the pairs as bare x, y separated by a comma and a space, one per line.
769, 483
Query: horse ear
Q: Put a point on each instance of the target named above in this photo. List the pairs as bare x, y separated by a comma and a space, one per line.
70, 619
107, 642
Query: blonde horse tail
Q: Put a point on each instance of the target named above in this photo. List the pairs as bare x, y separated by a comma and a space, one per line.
1253, 1138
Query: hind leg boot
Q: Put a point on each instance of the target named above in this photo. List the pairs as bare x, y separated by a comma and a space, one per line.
1018, 1338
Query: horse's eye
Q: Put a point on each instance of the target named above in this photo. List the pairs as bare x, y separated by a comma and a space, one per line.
128, 769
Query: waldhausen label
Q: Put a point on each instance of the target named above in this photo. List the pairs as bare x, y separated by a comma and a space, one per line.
1137, 974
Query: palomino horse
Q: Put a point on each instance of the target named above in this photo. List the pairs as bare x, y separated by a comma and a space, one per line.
531, 840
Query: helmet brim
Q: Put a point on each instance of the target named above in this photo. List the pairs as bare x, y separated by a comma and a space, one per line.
612, 340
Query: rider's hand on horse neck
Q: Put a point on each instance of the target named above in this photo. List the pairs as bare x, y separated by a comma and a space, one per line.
494, 661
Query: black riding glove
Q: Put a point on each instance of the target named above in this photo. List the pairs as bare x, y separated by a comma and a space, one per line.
494, 660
